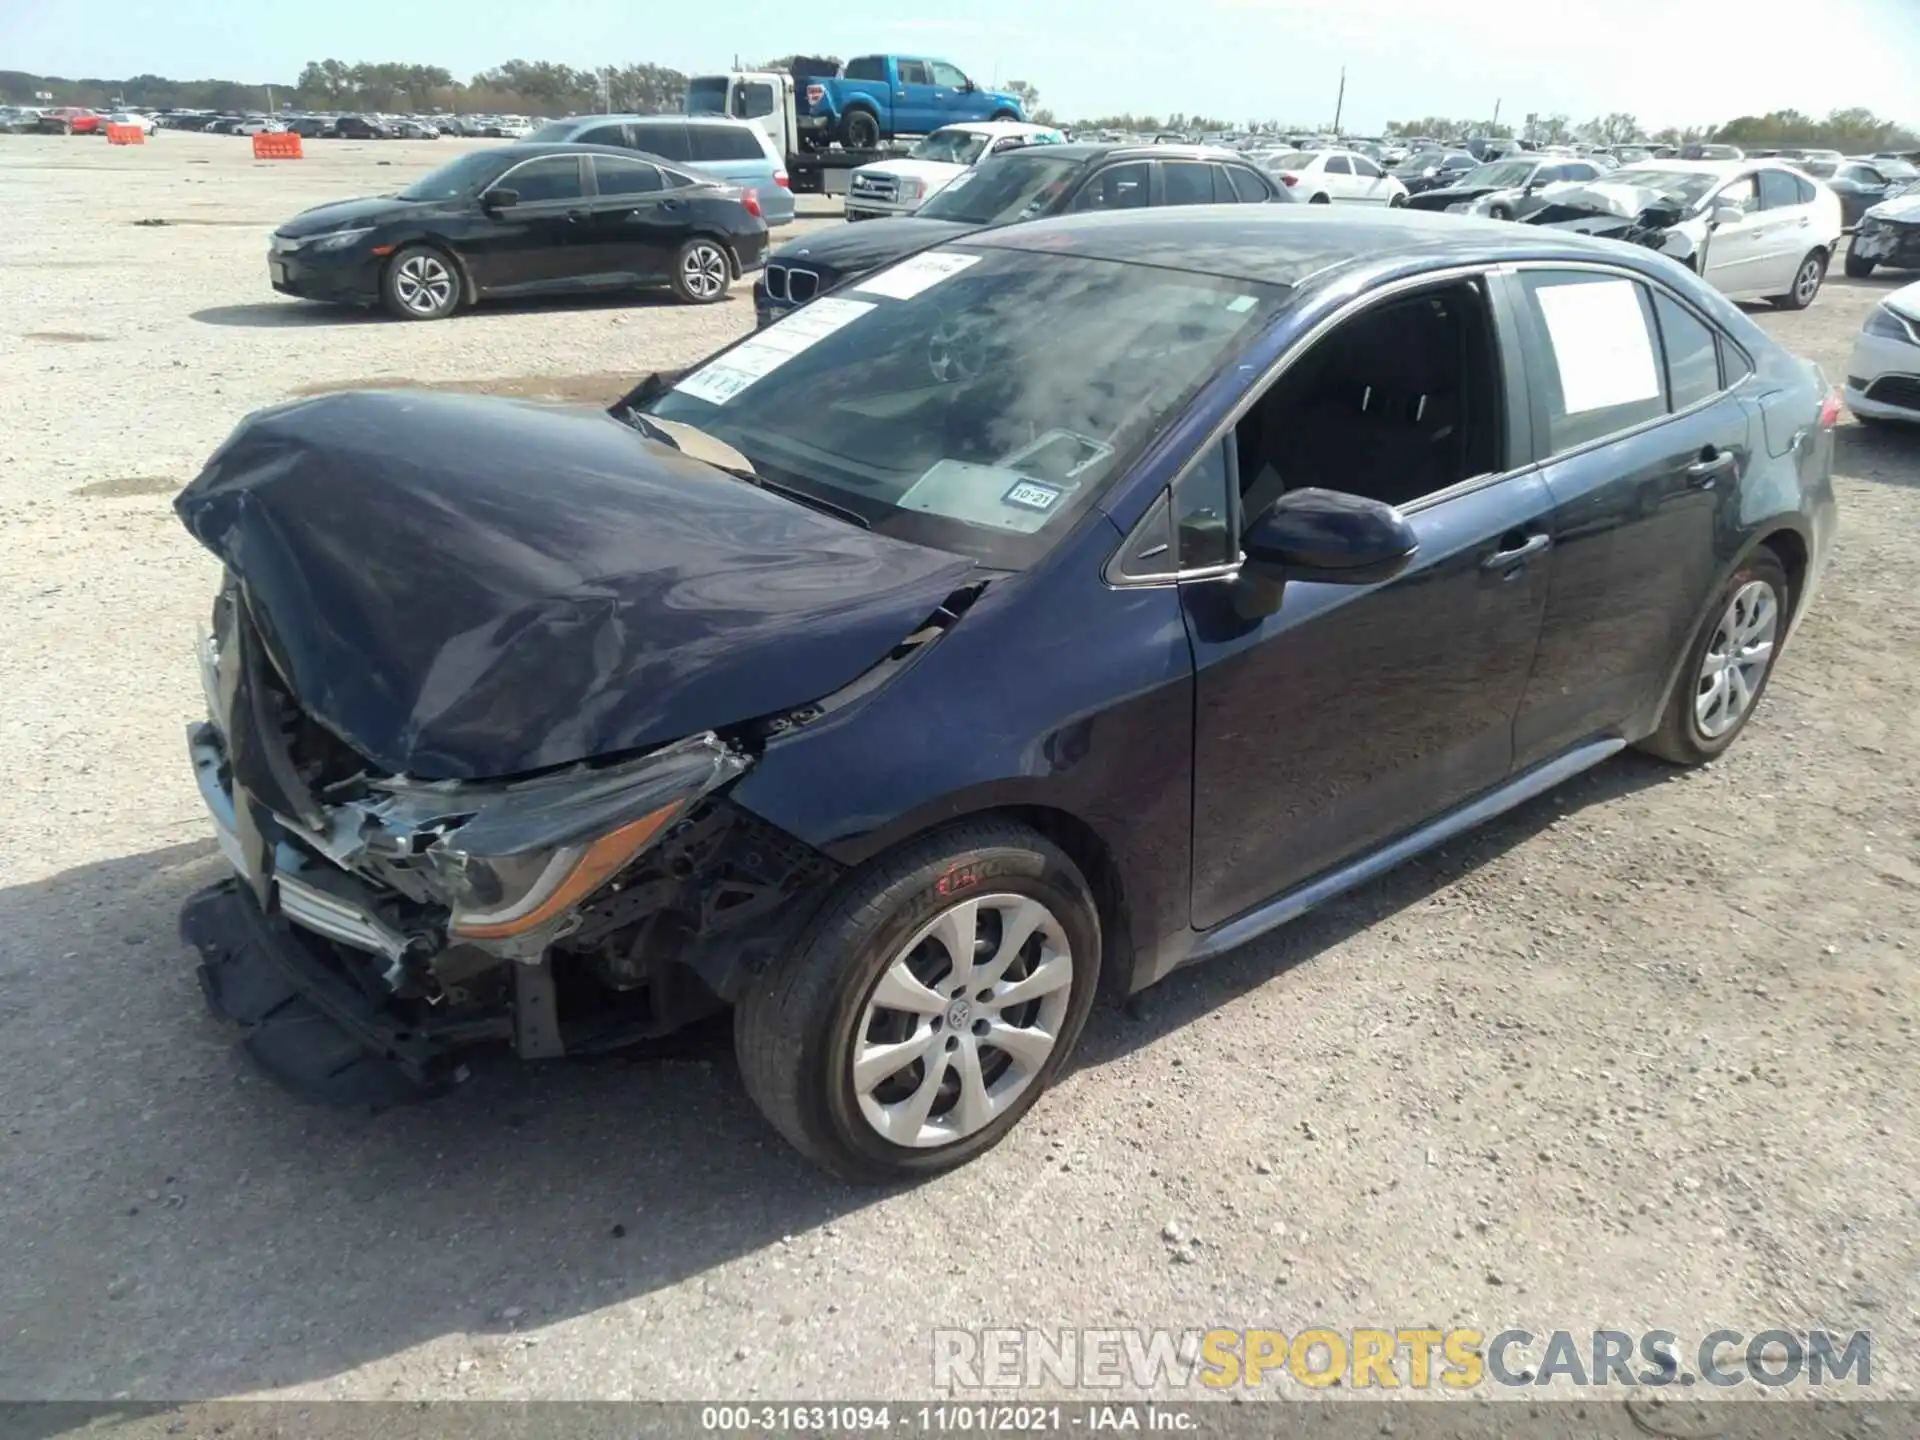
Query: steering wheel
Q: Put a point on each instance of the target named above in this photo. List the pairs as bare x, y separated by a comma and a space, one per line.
957, 350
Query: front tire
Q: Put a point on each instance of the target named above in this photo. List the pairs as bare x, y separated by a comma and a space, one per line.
1806, 282
421, 283
928, 1006
1398, 202
702, 272
1320, 200
1857, 267
1728, 666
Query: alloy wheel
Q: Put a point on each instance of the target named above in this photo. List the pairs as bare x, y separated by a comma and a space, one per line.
1807, 283
962, 1021
1737, 659
704, 271
423, 284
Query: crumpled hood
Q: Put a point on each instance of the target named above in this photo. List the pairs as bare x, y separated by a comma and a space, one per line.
854, 249
1903, 208
466, 588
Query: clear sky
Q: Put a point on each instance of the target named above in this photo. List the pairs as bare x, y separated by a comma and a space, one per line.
1670, 62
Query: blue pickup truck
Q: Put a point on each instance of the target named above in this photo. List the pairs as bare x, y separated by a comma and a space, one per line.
879, 97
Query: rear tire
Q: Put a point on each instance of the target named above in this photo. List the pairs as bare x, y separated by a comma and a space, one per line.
702, 271
1398, 202
1706, 714
860, 130
1321, 200
1806, 282
1857, 267
421, 283
804, 1024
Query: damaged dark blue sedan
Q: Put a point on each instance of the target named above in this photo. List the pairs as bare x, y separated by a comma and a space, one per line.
1035, 616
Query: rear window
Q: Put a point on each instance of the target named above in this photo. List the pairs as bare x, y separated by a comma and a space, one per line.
665, 138
604, 135
554, 132
867, 67
724, 142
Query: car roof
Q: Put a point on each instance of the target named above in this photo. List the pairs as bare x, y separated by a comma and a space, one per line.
530, 149
999, 127
1091, 150
1289, 245
655, 120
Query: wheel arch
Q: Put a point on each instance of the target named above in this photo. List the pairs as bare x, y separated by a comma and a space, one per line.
469, 292
1784, 539
1078, 837
708, 231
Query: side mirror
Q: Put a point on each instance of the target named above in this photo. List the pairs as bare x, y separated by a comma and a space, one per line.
1330, 537
499, 199
1726, 215
968, 87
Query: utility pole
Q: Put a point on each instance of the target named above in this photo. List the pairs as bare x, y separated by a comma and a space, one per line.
1496, 112
1340, 102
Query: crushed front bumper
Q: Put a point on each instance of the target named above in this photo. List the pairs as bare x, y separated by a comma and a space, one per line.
303, 1019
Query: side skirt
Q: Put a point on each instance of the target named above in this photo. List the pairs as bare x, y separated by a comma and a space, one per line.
1296, 902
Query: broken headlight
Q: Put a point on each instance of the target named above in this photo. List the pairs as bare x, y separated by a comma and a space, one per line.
1888, 325
501, 896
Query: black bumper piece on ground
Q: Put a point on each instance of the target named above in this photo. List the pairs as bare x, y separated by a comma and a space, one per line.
302, 1022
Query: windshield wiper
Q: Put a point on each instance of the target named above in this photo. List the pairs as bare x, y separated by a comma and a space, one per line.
706, 450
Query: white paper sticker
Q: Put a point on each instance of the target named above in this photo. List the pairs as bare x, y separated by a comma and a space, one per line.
770, 349
910, 277
1600, 343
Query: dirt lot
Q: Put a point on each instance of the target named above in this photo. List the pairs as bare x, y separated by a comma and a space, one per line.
1640, 1055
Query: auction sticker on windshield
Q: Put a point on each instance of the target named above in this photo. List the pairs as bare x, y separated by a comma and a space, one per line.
770, 349
922, 272
1600, 343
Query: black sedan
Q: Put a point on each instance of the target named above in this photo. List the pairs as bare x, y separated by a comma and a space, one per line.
523, 220
1433, 169
1020, 185
1041, 614
1862, 184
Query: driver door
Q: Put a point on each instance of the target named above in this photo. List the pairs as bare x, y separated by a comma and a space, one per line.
1736, 257
530, 245
951, 99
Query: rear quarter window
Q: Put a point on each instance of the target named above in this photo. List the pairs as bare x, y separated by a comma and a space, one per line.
723, 142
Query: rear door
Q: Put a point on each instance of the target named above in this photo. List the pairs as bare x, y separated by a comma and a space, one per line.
914, 110
1786, 228
1186, 182
534, 244
635, 224
1644, 445
738, 155
1336, 178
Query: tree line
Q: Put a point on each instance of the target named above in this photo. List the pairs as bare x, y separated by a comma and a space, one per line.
540, 87
1852, 131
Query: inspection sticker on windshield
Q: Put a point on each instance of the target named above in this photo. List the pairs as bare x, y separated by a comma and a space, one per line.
1600, 344
770, 349
910, 277
1031, 495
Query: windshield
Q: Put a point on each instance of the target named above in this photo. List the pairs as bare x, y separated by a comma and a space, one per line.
707, 96
951, 147
1689, 187
1004, 188
455, 178
1896, 169
1501, 175
972, 400
1425, 159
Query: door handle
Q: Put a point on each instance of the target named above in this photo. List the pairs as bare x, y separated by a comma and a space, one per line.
1518, 555
1702, 473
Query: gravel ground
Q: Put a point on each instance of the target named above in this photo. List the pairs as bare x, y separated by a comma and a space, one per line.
1638, 1055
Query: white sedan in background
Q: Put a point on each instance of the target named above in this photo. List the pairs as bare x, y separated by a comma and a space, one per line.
1883, 377
146, 123
900, 187
1327, 177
